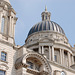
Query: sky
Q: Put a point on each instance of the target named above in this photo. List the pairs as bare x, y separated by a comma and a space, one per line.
29, 13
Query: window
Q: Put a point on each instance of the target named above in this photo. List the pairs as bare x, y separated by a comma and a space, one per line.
36, 49
3, 56
55, 58
37, 67
30, 64
63, 73
2, 72
2, 24
33, 66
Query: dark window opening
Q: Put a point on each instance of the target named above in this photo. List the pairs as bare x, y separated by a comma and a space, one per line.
65, 52
36, 49
74, 58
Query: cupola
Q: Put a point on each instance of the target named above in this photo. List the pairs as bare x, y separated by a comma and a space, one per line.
46, 15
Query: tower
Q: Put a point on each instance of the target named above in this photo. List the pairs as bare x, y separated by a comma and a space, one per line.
7, 22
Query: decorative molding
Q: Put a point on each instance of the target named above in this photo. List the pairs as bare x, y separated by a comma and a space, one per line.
22, 61
4, 66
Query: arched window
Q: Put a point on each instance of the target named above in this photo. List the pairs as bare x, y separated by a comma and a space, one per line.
2, 72
33, 63
2, 24
63, 73
3, 56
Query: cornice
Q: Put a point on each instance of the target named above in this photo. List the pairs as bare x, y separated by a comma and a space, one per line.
6, 42
62, 67
51, 32
64, 45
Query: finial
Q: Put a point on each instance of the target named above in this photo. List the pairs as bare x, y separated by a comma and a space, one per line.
45, 8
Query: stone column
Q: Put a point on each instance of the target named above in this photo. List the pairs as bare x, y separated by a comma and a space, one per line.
69, 60
10, 30
5, 25
12, 27
0, 20
49, 53
63, 57
14, 23
72, 60
0, 23
13, 30
60, 56
52, 53
40, 49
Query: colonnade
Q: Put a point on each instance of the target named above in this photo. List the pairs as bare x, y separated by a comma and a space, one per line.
70, 58
51, 52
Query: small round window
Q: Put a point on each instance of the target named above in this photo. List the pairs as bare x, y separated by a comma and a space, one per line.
63, 73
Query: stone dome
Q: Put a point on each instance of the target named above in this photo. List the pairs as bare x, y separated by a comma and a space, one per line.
46, 26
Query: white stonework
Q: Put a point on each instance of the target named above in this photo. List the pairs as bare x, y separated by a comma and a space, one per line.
46, 50
7, 1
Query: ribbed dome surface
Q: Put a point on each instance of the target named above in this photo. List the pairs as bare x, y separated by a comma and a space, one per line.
46, 26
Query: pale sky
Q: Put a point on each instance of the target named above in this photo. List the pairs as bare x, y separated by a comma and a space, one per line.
29, 13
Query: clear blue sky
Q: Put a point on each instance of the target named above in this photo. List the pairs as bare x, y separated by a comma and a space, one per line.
29, 13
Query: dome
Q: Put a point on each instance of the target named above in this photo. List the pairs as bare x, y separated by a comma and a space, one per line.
46, 26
